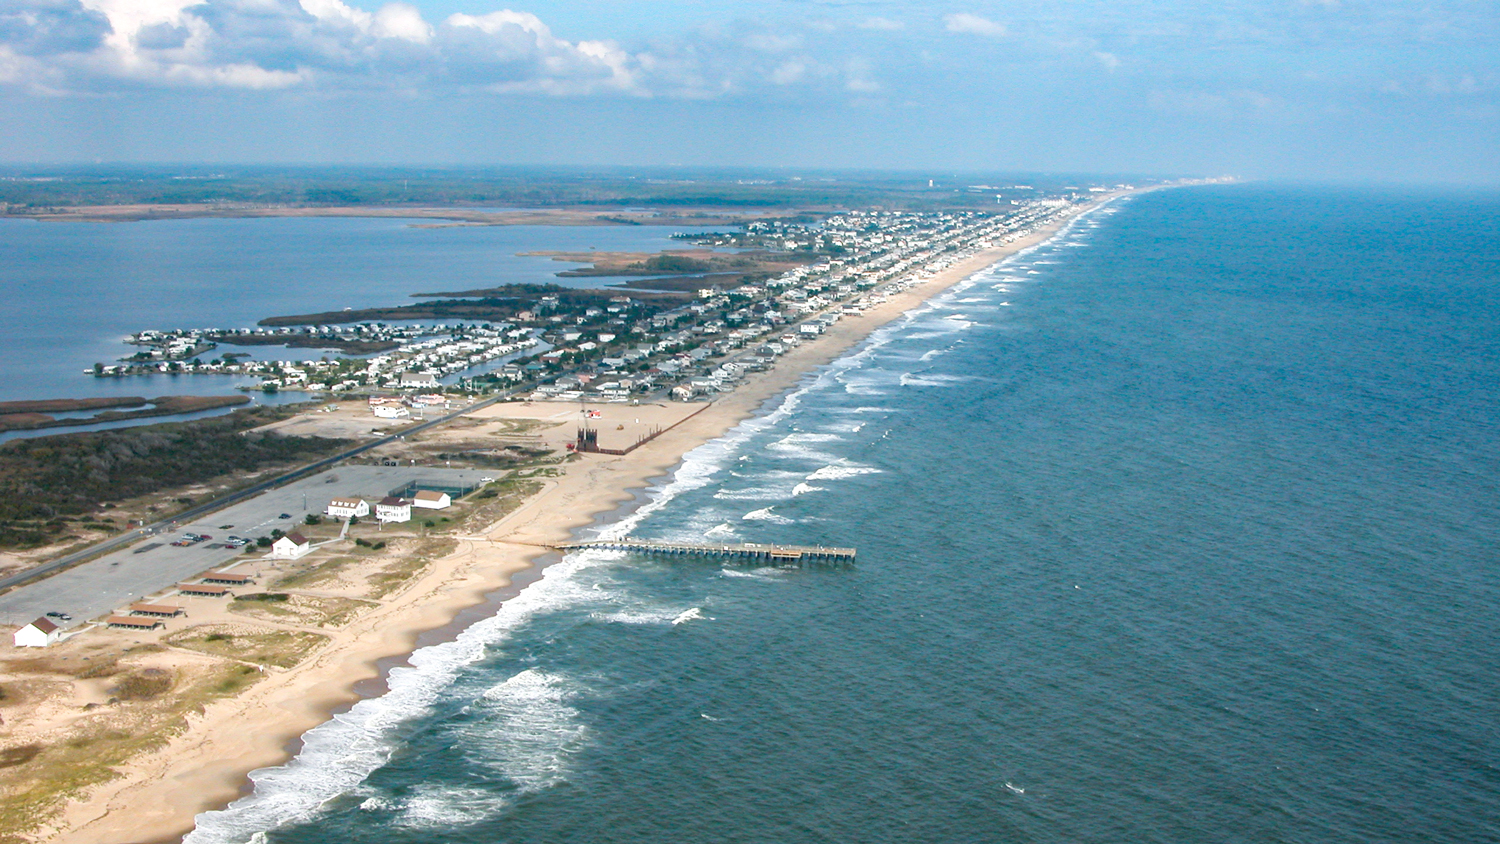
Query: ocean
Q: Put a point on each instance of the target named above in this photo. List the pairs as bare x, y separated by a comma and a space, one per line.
1178, 528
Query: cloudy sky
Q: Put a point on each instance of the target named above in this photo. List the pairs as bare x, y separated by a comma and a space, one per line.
1402, 90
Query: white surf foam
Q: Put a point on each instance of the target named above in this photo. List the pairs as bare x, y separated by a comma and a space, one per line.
694, 614
436, 807
912, 379
804, 488
835, 471
531, 729
767, 515
759, 493
756, 574
338, 755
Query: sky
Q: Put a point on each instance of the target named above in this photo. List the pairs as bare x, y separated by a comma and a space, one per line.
1339, 90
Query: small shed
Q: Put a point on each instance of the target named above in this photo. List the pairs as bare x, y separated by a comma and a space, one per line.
290, 547
228, 578
203, 590
431, 499
37, 634
131, 622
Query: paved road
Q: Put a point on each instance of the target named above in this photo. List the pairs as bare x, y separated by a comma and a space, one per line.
100, 586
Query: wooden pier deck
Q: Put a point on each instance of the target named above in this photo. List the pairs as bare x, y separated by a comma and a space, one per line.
749, 552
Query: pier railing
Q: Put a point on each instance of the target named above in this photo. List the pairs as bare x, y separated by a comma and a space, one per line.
748, 552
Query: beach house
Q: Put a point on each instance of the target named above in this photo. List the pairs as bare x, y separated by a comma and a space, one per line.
418, 380
348, 508
291, 546
431, 500
393, 509
37, 634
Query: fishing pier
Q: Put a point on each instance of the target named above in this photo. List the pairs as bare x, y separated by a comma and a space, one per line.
750, 552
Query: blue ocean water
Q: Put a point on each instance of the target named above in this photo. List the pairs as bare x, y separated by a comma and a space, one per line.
1180, 528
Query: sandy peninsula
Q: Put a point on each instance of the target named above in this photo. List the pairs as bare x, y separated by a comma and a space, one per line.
160, 792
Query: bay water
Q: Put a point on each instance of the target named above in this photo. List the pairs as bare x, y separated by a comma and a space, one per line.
1178, 528
78, 290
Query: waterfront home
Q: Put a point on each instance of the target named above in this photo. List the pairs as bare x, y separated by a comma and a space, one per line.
37, 634
291, 546
393, 509
348, 508
418, 379
431, 500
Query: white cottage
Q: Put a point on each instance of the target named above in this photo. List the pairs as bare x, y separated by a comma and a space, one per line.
393, 509
37, 634
431, 500
418, 379
348, 508
290, 547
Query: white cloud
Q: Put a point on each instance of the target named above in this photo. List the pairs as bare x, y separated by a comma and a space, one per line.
1109, 60
334, 11
970, 24
336, 45
398, 20
270, 44
788, 72
859, 78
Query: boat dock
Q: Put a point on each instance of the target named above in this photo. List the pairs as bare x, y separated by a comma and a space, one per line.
750, 552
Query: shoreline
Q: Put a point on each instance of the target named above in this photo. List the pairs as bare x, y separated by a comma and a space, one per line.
161, 794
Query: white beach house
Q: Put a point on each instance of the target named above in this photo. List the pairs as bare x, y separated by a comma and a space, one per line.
393, 509
37, 634
348, 508
418, 379
290, 547
431, 500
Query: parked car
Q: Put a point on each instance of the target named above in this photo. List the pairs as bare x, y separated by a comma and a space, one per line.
60, 615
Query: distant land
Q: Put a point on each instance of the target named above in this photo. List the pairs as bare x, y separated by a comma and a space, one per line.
675, 196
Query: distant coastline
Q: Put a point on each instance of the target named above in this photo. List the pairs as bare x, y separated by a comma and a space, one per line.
447, 216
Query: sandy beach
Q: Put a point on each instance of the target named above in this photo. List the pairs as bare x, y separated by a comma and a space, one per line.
160, 792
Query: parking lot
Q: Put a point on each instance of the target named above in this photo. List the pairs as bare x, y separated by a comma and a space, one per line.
100, 586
